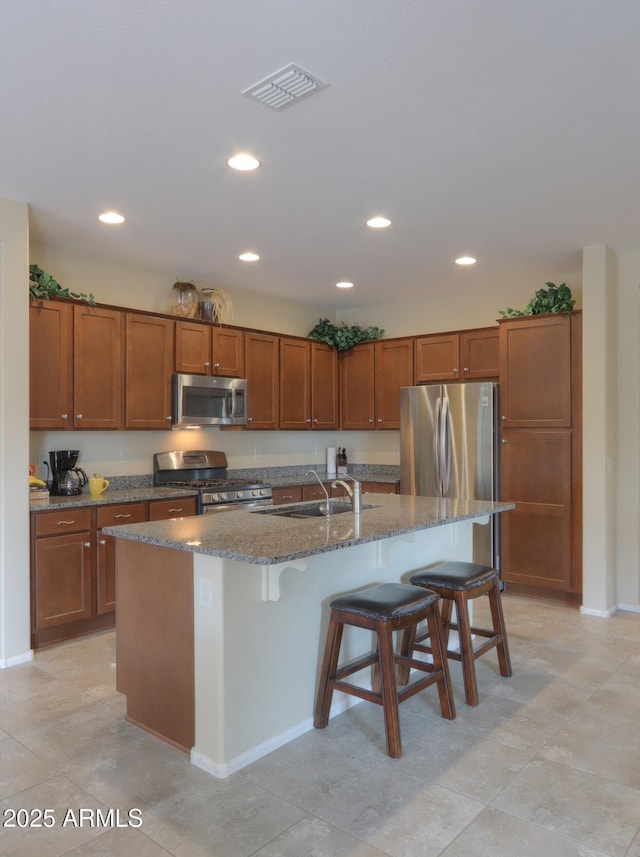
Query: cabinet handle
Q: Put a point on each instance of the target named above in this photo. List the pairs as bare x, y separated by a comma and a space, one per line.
169, 419
370, 420
315, 420
249, 419
216, 365
87, 544
287, 496
503, 417
103, 541
504, 441
174, 510
466, 369
64, 416
455, 371
308, 420
206, 362
64, 523
124, 515
379, 419
78, 416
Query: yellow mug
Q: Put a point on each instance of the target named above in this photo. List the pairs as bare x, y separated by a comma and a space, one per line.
97, 485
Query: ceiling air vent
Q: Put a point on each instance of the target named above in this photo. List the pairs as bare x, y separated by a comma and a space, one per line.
284, 87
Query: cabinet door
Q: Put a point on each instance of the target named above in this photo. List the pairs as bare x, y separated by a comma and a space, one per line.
50, 365
62, 579
437, 358
315, 492
393, 369
480, 353
535, 467
535, 372
228, 352
149, 366
122, 513
98, 336
262, 365
325, 387
295, 384
193, 348
357, 367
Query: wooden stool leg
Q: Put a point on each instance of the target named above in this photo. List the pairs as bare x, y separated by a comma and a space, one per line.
441, 664
389, 691
329, 666
499, 627
466, 650
447, 609
406, 648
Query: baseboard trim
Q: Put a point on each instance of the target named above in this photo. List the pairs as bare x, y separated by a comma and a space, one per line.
601, 614
630, 608
16, 660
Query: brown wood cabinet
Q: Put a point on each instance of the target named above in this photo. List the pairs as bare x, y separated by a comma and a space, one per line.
76, 366
98, 343
50, 366
62, 567
287, 494
541, 454
309, 385
203, 349
460, 356
535, 372
73, 574
371, 377
148, 371
379, 487
262, 359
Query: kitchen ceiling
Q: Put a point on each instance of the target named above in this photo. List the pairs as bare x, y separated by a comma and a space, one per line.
507, 130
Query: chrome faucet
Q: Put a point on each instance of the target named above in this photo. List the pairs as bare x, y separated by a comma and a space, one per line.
354, 494
328, 506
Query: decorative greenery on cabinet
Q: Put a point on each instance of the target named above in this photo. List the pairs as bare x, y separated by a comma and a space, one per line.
342, 335
554, 299
43, 285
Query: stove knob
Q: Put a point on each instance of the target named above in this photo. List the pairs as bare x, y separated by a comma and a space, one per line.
256, 492
223, 496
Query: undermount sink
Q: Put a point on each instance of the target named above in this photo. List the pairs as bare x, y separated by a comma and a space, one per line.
317, 510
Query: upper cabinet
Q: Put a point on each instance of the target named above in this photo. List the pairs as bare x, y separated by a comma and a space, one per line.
372, 374
76, 366
203, 349
309, 385
262, 359
50, 365
148, 371
463, 356
535, 372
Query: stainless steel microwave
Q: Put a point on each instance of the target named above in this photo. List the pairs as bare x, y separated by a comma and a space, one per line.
200, 400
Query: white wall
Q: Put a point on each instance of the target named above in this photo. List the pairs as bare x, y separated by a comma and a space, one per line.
14, 433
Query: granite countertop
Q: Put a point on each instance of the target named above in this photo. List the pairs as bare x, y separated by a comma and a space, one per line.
360, 473
110, 497
264, 539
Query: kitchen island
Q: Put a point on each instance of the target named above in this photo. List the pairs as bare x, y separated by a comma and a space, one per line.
221, 618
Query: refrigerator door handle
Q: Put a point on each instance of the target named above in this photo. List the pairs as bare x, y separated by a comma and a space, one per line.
436, 444
446, 447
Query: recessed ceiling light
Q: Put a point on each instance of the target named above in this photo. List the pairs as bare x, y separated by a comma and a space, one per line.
465, 260
344, 285
111, 217
243, 161
378, 222
249, 257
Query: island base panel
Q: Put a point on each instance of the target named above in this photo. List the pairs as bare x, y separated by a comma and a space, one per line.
154, 639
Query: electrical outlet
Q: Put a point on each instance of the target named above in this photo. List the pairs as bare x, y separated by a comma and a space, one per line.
124, 454
205, 593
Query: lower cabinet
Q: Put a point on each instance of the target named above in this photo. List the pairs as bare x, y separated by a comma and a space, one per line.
300, 493
73, 589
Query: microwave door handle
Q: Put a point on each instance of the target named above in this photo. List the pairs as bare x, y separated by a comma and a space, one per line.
233, 402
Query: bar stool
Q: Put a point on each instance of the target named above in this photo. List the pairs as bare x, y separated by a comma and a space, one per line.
458, 583
383, 609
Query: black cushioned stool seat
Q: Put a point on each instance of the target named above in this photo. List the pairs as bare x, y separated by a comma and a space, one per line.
384, 609
458, 583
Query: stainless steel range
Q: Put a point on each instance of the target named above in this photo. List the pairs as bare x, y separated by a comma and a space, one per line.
206, 470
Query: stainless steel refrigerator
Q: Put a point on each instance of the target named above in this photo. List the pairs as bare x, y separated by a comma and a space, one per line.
449, 448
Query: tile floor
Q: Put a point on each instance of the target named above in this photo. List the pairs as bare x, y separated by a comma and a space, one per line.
547, 764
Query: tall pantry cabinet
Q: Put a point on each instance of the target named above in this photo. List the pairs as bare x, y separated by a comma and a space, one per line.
541, 454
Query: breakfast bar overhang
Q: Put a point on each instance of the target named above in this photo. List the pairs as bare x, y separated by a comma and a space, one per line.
221, 619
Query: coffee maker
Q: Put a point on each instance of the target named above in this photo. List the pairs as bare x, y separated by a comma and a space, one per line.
66, 478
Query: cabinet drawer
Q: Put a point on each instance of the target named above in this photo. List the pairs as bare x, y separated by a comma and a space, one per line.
163, 510
72, 520
123, 513
315, 492
287, 494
